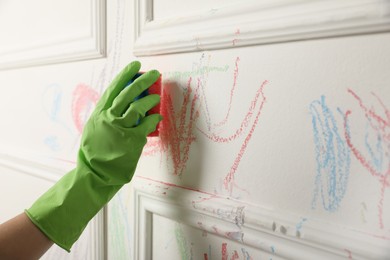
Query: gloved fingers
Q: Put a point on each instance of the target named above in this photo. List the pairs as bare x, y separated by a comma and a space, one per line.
118, 84
138, 109
127, 96
149, 123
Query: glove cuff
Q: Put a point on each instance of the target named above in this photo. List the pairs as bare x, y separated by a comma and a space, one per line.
63, 212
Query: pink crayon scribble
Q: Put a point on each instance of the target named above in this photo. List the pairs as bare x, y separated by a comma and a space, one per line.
176, 186
349, 253
235, 40
176, 130
376, 160
229, 179
83, 98
153, 146
224, 251
234, 256
235, 76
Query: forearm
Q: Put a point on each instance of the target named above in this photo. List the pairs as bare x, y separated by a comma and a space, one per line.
21, 239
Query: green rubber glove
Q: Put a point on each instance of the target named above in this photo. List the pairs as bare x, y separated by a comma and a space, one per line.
111, 144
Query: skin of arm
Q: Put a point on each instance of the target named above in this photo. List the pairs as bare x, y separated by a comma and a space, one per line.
21, 239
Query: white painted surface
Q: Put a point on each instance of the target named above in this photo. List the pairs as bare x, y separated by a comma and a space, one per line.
275, 178
44, 32
293, 206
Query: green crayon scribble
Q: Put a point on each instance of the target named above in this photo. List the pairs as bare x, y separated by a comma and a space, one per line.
176, 75
181, 242
118, 243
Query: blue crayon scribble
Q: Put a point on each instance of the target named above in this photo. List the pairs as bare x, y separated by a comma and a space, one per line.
52, 142
298, 227
246, 254
332, 156
373, 143
52, 99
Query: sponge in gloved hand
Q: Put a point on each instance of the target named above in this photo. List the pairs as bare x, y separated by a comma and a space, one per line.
111, 145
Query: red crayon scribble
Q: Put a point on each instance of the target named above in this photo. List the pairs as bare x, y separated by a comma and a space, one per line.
178, 186
224, 251
381, 126
235, 39
235, 255
349, 253
245, 122
176, 130
203, 199
235, 76
83, 97
152, 147
229, 179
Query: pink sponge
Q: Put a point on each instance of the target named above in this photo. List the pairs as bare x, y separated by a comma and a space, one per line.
154, 89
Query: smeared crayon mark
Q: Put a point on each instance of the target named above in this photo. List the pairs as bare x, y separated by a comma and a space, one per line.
376, 158
332, 156
121, 231
182, 243
176, 130
84, 97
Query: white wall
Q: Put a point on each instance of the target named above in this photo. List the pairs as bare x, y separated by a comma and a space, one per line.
279, 150
257, 77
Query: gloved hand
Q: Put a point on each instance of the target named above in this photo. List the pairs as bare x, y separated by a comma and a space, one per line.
111, 144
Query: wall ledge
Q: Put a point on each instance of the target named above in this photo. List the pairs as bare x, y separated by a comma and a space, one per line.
260, 227
253, 23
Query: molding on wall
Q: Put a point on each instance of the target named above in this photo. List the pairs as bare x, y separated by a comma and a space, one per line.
72, 48
256, 22
261, 228
34, 165
52, 170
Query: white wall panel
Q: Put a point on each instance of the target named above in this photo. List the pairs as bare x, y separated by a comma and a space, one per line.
43, 31
203, 224
199, 26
